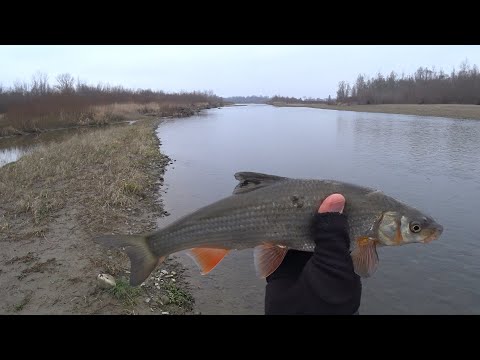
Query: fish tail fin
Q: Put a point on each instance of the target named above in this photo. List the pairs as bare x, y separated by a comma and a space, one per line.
142, 259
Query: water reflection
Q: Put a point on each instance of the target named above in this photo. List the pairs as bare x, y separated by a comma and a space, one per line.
12, 154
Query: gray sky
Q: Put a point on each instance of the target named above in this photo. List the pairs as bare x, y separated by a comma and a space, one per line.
312, 71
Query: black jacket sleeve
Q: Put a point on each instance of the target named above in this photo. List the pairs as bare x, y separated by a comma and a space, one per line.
322, 282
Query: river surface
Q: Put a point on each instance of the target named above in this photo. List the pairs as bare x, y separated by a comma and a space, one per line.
430, 163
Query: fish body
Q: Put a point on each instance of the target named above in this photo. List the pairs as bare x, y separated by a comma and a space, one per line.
273, 214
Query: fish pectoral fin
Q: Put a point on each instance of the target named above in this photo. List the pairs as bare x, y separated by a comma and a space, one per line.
207, 258
364, 256
249, 181
268, 258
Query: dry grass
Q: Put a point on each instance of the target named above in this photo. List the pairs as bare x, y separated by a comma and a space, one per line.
93, 116
61, 119
54, 200
129, 110
456, 111
102, 171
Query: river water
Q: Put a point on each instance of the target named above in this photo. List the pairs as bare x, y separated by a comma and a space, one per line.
430, 163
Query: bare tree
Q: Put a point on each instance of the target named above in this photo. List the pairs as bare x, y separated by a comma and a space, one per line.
341, 92
39, 85
426, 85
20, 87
65, 83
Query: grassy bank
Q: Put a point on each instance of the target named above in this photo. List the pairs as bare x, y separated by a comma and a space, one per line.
56, 199
18, 123
456, 111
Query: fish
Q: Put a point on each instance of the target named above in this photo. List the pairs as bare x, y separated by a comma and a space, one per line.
273, 214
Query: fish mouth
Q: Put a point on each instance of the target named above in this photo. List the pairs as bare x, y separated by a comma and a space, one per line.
434, 236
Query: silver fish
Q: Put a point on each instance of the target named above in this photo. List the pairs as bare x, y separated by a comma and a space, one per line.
273, 214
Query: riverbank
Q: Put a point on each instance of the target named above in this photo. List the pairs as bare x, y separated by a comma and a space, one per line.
97, 116
455, 111
56, 199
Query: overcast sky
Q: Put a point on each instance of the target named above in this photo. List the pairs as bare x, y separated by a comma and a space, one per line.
312, 71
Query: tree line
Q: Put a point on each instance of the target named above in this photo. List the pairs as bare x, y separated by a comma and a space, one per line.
39, 97
253, 99
294, 100
425, 86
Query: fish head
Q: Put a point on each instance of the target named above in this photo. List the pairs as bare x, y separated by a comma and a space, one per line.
407, 226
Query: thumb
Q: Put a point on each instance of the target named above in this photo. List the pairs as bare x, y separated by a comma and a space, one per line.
333, 203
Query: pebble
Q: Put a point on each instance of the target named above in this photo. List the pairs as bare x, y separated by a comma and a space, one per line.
147, 300
164, 300
173, 280
165, 313
173, 273
106, 281
164, 272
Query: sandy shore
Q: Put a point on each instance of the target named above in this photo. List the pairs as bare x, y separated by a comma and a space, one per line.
57, 198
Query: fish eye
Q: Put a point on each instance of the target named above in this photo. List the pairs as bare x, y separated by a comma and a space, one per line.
415, 227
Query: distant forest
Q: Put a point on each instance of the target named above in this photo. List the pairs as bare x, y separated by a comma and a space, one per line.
425, 86
247, 99
270, 100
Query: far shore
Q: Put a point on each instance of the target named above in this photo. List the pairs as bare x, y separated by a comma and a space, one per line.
456, 111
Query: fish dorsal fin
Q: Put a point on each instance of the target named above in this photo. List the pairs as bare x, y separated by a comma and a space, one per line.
250, 181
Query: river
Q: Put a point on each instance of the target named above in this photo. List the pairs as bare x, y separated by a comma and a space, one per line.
430, 163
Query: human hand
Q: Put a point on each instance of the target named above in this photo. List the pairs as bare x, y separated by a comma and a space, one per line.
322, 282
333, 203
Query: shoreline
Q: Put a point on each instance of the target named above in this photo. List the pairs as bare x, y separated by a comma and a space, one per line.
455, 111
117, 114
57, 198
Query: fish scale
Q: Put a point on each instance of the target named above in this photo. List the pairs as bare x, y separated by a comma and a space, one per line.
270, 213
270, 216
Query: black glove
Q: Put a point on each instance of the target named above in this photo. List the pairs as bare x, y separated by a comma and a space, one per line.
322, 282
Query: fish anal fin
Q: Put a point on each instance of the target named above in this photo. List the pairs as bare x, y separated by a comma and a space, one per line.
207, 258
268, 258
364, 256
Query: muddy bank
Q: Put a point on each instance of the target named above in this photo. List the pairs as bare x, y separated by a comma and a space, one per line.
57, 198
454, 111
